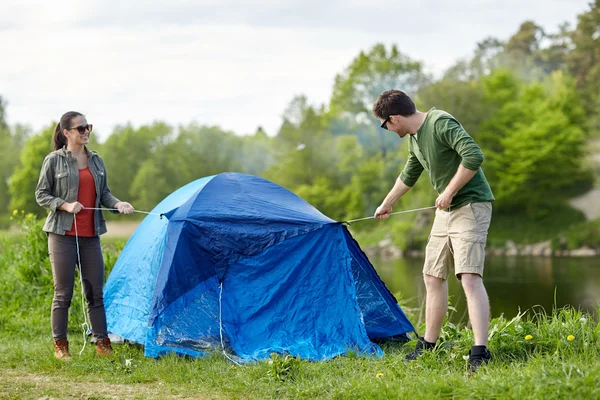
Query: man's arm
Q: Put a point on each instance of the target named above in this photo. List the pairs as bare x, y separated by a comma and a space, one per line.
385, 209
460, 179
454, 135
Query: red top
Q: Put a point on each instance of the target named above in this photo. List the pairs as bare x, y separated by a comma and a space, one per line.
87, 197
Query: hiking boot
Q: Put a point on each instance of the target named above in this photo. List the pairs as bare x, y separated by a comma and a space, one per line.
103, 348
61, 350
422, 345
478, 355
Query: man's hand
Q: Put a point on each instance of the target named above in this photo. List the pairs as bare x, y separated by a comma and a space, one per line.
72, 208
383, 211
124, 207
444, 200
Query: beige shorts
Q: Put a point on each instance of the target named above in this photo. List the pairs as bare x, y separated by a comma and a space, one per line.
458, 239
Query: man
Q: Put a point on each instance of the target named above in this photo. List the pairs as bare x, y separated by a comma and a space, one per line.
440, 145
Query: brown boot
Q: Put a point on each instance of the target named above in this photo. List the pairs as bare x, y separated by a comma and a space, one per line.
103, 348
61, 350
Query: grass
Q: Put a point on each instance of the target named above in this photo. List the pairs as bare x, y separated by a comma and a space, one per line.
538, 354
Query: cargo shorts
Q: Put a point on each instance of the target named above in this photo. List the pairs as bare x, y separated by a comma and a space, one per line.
458, 240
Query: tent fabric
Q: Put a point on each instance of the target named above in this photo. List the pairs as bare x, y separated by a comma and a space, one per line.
241, 262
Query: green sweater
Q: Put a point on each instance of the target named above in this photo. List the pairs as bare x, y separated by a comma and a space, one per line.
440, 146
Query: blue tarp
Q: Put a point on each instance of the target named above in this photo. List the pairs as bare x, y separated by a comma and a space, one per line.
242, 263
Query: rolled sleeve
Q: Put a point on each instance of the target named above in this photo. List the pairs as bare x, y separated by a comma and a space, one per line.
455, 137
412, 170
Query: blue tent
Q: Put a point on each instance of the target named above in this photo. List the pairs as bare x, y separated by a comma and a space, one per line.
241, 264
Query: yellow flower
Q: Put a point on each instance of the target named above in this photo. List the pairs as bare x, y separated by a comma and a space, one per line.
15, 212
379, 375
528, 337
570, 338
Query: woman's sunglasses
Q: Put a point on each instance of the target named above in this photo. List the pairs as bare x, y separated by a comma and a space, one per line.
82, 128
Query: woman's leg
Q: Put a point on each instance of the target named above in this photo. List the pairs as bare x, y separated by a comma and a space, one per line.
92, 270
63, 257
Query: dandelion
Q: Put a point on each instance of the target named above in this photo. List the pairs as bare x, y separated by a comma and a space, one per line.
570, 338
528, 337
15, 212
583, 320
379, 375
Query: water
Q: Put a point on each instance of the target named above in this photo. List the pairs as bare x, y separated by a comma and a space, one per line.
512, 283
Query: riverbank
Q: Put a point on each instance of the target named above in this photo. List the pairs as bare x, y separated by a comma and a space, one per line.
387, 250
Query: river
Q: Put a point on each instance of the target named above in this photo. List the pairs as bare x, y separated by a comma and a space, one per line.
512, 283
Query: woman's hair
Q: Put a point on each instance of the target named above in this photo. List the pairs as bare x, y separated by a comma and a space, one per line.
59, 139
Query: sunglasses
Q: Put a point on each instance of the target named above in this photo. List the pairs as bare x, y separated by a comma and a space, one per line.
82, 128
384, 123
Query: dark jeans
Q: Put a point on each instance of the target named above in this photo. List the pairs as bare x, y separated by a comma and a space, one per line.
63, 257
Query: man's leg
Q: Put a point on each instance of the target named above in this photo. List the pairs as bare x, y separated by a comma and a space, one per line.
437, 265
478, 305
436, 306
468, 229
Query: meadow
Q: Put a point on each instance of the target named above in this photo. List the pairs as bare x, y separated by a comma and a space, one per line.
549, 354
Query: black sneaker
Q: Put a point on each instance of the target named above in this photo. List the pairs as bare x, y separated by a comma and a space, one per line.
478, 355
422, 345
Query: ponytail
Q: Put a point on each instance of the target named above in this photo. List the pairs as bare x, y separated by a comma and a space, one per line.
59, 140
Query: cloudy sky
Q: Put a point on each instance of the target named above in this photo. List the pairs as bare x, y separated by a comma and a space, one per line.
233, 63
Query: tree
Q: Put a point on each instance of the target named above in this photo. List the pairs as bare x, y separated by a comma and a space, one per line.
584, 63
304, 149
540, 139
25, 177
357, 88
126, 149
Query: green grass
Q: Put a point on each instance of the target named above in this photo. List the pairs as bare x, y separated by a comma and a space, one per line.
548, 366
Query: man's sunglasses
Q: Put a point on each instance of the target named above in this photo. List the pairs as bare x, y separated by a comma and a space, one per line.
384, 123
82, 128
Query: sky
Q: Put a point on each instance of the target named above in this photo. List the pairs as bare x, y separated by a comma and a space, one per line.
236, 64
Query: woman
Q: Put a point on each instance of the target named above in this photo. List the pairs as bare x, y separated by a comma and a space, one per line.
72, 182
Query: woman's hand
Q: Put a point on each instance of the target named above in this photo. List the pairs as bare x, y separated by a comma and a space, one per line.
124, 207
72, 208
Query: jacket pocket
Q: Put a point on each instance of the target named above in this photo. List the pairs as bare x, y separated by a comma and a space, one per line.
61, 184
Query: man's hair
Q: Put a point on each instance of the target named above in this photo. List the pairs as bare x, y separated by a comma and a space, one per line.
393, 102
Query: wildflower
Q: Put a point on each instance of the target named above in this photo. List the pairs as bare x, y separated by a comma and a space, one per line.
128, 362
15, 212
570, 338
379, 375
583, 320
528, 337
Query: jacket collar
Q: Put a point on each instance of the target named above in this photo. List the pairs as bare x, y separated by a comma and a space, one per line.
66, 154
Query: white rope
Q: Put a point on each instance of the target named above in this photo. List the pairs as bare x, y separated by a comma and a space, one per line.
85, 326
116, 209
397, 212
221, 326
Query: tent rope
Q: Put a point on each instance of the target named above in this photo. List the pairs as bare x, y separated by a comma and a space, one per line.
397, 212
116, 209
221, 325
85, 326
